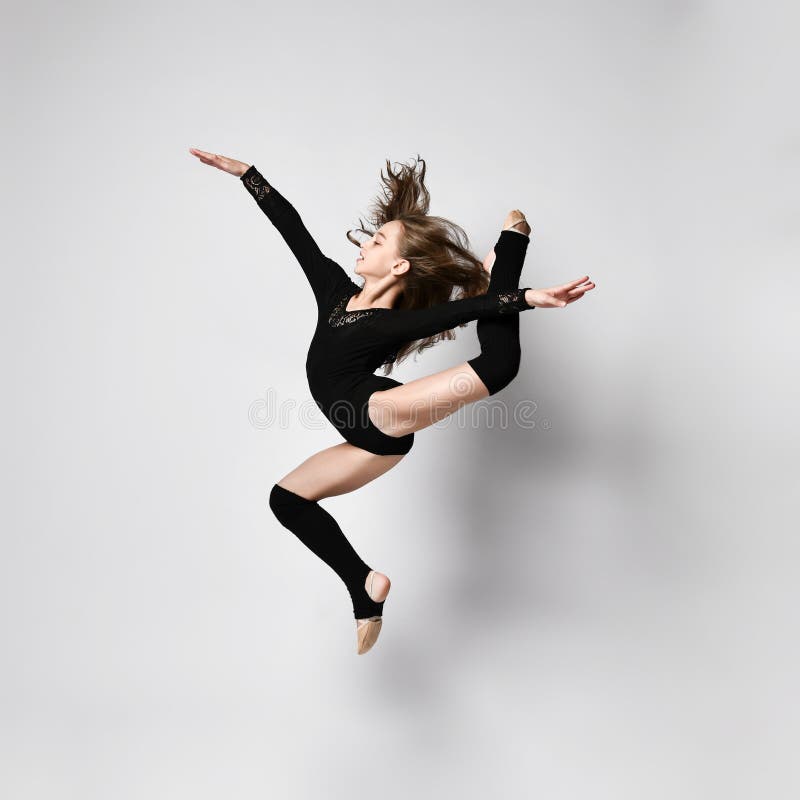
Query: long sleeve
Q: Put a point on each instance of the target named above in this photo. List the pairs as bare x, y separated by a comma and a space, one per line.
418, 323
323, 273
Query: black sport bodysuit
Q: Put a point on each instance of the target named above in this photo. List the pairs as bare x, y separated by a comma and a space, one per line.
348, 346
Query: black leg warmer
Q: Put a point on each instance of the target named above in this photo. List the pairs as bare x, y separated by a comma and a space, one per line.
499, 359
321, 534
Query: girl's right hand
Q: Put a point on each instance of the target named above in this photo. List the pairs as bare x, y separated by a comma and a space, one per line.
237, 168
559, 296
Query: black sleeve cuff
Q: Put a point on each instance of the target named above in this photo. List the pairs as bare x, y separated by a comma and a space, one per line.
255, 183
249, 172
513, 301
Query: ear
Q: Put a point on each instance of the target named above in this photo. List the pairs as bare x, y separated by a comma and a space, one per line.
401, 267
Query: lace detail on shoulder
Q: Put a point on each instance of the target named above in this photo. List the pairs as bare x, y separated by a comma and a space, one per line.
511, 302
339, 316
255, 183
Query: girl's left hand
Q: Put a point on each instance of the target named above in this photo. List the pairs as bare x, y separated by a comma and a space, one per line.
559, 296
230, 165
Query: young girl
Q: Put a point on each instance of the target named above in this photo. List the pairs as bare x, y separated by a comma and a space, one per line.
410, 265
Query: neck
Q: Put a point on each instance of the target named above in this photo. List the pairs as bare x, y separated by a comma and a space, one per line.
376, 294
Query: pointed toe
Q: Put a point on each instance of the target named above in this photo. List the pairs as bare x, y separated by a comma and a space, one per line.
367, 634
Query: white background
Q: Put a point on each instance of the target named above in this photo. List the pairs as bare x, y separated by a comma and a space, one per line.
602, 606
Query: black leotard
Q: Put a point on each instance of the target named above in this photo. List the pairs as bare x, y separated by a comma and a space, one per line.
348, 346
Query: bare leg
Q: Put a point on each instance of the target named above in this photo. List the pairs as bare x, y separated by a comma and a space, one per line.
419, 403
334, 471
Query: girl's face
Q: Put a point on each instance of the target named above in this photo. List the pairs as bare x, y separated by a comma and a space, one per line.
380, 254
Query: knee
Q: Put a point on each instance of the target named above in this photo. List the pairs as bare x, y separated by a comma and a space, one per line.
504, 375
513, 364
275, 499
495, 371
285, 504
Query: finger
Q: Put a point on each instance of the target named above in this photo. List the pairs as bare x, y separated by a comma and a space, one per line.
581, 289
576, 294
224, 163
574, 283
206, 158
214, 159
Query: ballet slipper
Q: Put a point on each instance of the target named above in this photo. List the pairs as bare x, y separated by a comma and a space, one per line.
514, 219
368, 629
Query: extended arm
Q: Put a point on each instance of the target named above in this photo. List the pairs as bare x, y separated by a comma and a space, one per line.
418, 323
323, 273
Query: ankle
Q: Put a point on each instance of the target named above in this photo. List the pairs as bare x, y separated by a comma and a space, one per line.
377, 586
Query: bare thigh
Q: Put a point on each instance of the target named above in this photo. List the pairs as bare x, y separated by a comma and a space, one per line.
419, 403
336, 470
